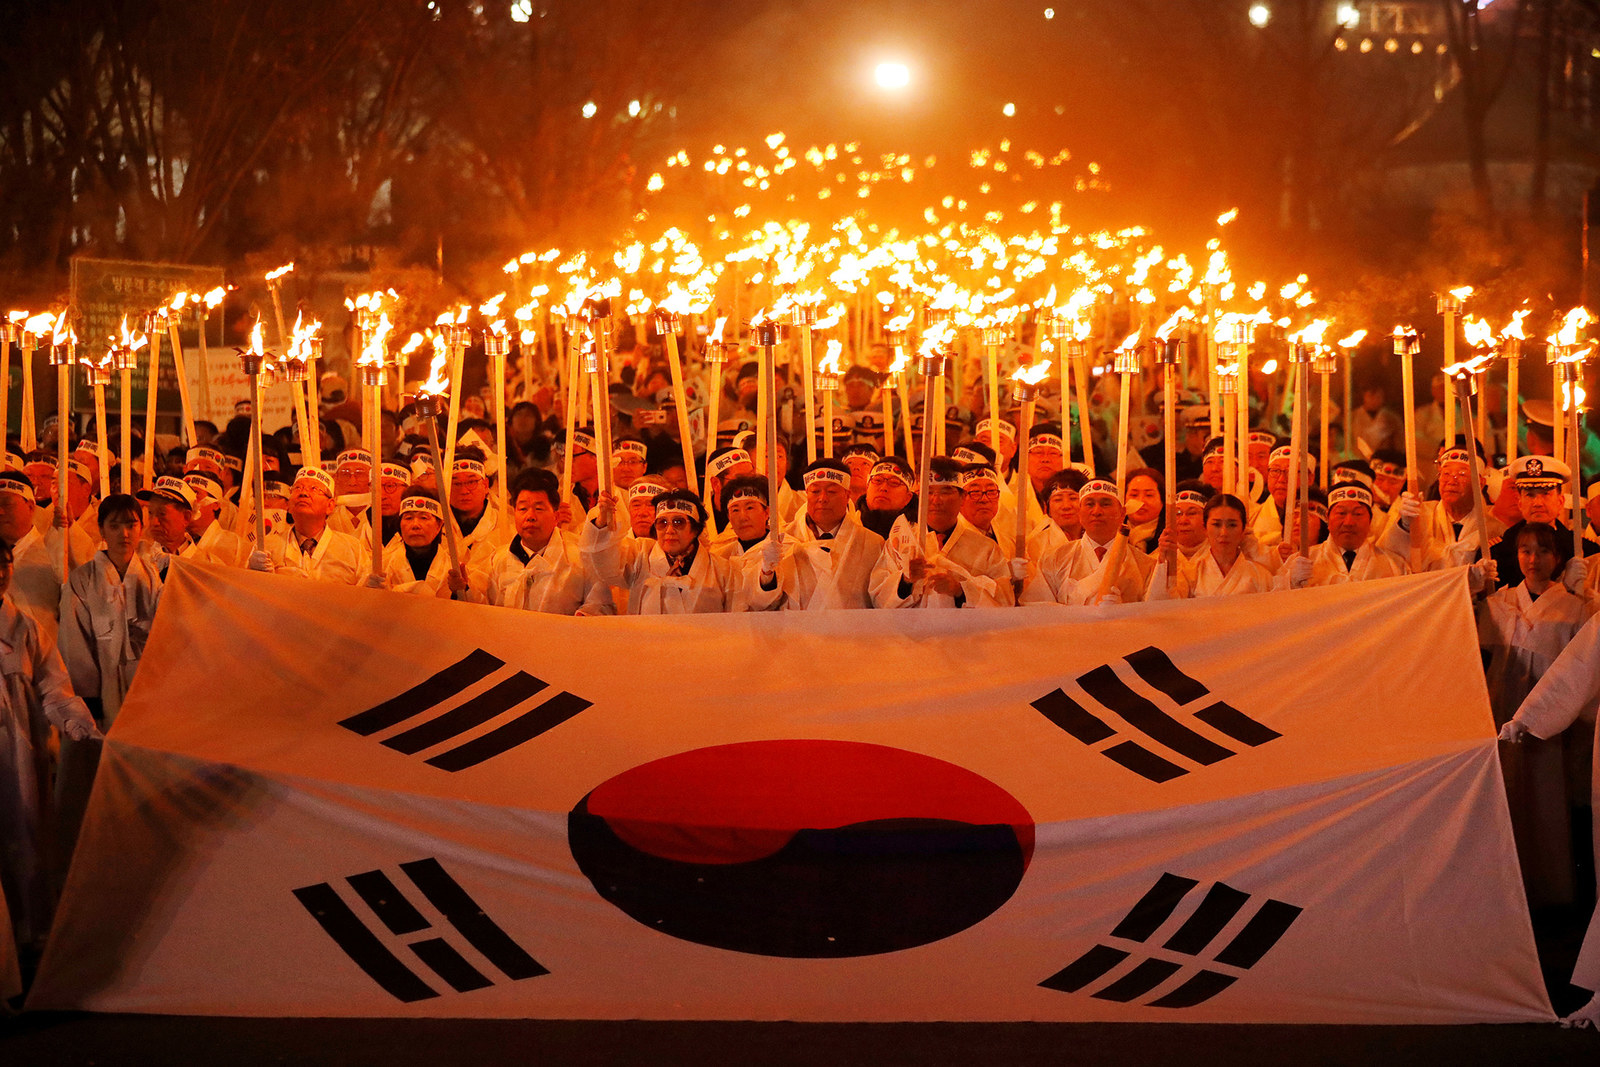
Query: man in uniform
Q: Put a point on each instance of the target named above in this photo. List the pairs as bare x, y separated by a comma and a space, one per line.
1540, 484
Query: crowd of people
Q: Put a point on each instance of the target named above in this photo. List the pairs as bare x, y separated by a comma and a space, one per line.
523, 527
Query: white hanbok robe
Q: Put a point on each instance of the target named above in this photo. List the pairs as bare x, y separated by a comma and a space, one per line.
336, 557
1521, 637
553, 581
976, 561
494, 531
36, 695
1327, 566
836, 573
398, 577
1570, 690
37, 575
1436, 546
103, 639
1072, 574
640, 567
1200, 576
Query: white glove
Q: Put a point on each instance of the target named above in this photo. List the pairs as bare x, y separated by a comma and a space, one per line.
1111, 596
1484, 574
1577, 573
260, 561
374, 581
1513, 731
1409, 507
771, 553
1299, 571
1019, 569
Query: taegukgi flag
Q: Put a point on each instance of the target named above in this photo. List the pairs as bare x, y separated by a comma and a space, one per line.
331, 801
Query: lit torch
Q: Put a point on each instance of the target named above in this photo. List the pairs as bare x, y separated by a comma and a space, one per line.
1406, 345
97, 373
1511, 338
828, 373
372, 366
1464, 383
62, 342
1024, 389
1566, 354
125, 357
431, 400
253, 361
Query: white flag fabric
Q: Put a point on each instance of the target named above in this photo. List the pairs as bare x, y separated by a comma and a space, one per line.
1277, 808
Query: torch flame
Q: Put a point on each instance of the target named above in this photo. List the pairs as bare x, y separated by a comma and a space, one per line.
61, 333
1567, 335
831, 364
373, 351
1476, 365
178, 300
1353, 340
257, 345
1130, 342
214, 297
1179, 317
1461, 292
1514, 327
1032, 375
438, 383
716, 334
1478, 332
1311, 334
1227, 216
274, 275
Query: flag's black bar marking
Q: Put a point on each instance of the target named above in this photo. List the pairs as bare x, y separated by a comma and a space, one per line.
1139, 981
450, 965
1103, 684
1197, 990
1085, 969
552, 713
419, 698
1236, 724
1161, 674
387, 902
480, 709
1221, 904
1259, 934
464, 914
1072, 717
1143, 762
359, 943
1154, 908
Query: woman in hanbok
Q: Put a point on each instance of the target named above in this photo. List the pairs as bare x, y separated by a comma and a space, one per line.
1221, 569
1522, 629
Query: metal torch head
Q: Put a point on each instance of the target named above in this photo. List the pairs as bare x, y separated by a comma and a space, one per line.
430, 405
767, 333
496, 345
996, 335
61, 355
373, 377
1125, 361
1169, 350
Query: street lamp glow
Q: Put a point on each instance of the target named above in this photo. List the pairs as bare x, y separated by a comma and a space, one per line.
1260, 15
1349, 16
892, 75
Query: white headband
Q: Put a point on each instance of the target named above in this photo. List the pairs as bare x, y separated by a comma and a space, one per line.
425, 505
825, 474
728, 460
628, 448
468, 466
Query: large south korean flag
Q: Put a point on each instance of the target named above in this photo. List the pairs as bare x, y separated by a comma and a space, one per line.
1274, 808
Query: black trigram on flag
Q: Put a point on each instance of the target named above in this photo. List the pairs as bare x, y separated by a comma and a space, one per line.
389, 903
505, 695
1142, 966
1155, 669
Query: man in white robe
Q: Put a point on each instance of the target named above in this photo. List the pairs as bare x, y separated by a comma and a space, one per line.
1080, 572
542, 569
1348, 555
829, 556
956, 567
307, 546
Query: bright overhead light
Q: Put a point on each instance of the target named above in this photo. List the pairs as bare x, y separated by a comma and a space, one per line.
892, 75
1260, 15
1349, 16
